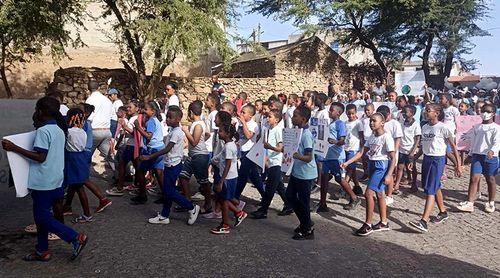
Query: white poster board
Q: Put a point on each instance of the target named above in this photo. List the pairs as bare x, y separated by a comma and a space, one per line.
257, 153
414, 79
320, 131
291, 141
19, 165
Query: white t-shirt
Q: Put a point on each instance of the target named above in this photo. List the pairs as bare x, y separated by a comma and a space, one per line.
434, 139
367, 130
408, 139
379, 146
352, 140
210, 124
63, 109
275, 137
288, 116
116, 104
247, 144
201, 147
174, 156
321, 114
129, 137
230, 151
449, 117
76, 140
486, 138
101, 118
173, 100
393, 128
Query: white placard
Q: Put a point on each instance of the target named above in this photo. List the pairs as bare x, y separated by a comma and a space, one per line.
414, 79
320, 131
291, 141
257, 153
20, 165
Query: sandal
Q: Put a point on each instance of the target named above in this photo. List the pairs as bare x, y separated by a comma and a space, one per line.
83, 219
53, 237
31, 229
33, 257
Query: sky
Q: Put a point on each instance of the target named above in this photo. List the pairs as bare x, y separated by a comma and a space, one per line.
486, 50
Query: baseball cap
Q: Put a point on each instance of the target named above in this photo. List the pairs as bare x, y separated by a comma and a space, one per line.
113, 91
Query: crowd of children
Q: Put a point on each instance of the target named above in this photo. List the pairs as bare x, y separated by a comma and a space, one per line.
388, 139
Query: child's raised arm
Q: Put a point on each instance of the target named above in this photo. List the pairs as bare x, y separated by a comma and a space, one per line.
144, 133
38, 155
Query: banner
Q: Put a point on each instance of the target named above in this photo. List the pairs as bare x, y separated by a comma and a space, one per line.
20, 165
291, 141
320, 131
464, 136
414, 81
257, 153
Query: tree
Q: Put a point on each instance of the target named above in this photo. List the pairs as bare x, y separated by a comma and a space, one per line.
153, 32
26, 26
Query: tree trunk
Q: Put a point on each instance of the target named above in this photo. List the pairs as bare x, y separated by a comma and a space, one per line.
425, 58
5, 82
448, 64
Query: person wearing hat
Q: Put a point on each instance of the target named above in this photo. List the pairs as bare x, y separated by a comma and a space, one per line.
114, 96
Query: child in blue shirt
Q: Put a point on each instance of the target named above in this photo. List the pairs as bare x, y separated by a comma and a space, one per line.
334, 157
46, 175
153, 142
304, 171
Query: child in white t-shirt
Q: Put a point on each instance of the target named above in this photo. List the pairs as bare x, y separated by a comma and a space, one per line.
354, 130
484, 150
366, 132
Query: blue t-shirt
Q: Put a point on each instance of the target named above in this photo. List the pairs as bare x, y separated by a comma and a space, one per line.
156, 141
88, 130
301, 169
337, 130
48, 175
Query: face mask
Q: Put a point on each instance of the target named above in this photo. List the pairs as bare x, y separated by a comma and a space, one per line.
486, 116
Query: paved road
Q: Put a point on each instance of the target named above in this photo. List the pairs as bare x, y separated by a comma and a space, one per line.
123, 244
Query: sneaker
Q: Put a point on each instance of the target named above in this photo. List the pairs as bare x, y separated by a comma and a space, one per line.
352, 204
322, 208
78, 245
304, 235
198, 197
130, 187
138, 200
489, 207
259, 214
466, 206
396, 192
37, 256
420, 225
298, 229
240, 217
285, 212
67, 210
154, 191
440, 217
221, 229
213, 215
380, 227
104, 203
358, 190
241, 205
115, 192
193, 214
83, 219
365, 230
159, 220
389, 200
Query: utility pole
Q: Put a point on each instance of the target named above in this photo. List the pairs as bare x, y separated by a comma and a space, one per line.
258, 33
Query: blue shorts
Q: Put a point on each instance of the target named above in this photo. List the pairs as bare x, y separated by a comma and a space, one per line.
481, 165
333, 167
113, 125
151, 164
432, 170
318, 158
403, 159
448, 148
196, 165
128, 154
228, 190
349, 155
376, 171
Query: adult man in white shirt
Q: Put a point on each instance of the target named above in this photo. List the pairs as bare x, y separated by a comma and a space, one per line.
100, 119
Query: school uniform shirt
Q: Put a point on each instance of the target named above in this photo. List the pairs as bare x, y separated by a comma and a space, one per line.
358, 102
211, 128
352, 139
367, 130
257, 117
486, 138
394, 129
288, 116
116, 104
337, 130
76, 140
245, 143
230, 151
129, 137
408, 139
379, 146
49, 174
434, 139
274, 137
321, 114
153, 126
174, 156
173, 100
201, 147
449, 117
101, 117
301, 169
